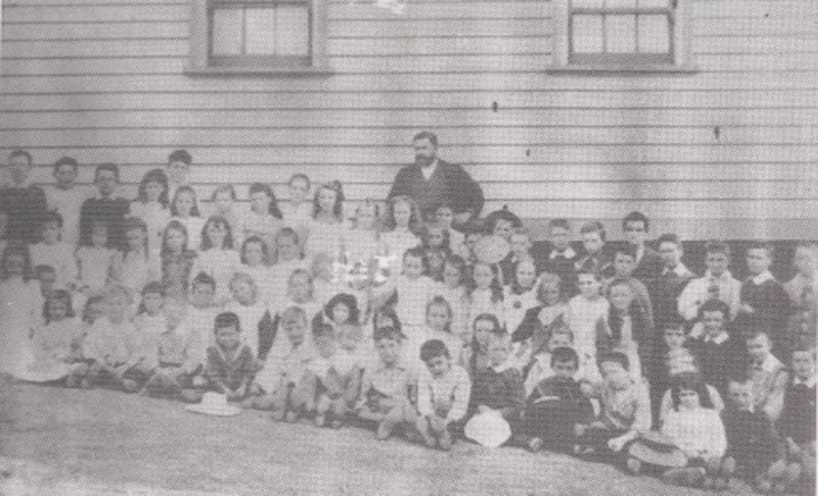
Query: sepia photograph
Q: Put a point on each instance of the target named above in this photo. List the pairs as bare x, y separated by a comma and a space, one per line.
408, 247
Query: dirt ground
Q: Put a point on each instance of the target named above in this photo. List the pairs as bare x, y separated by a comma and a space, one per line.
59, 441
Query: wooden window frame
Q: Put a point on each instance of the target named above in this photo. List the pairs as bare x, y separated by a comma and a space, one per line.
679, 60
201, 62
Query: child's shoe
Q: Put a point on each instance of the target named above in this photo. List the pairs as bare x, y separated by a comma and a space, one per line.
634, 466
320, 420
535, 444
445, 440
423, 429
130, 385
278, 414
384, 430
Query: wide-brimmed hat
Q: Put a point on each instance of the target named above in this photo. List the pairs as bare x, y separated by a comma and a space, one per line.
488, 429
491, 249
655, 448
214, 404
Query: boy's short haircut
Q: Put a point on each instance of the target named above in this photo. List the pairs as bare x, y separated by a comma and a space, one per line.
714, 305
625, 249
432, 137
589, 272
115, 289
51, 216
762, 245
41, 269
559, 223
563, 329
227, 319
154, 287
594, 227
564, 354
740, 380
636, 216
180, 156
388, 332
669, 238
417, 252
203, 278
294, 313
224, 188
323, 330
619, 281
717, 247
616, 357
66, 161
243, 276
300, 175
674, 326
433, 348
107, 166
758, 335
286, 232
21, 153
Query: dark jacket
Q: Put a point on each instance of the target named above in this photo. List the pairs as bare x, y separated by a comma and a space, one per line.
450, 184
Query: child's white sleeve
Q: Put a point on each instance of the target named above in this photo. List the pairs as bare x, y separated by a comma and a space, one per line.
462, 396
425, 406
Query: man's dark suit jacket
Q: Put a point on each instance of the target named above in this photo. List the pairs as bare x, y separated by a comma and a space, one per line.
450, 184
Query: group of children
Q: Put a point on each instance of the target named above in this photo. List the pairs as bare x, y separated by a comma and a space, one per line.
411, 325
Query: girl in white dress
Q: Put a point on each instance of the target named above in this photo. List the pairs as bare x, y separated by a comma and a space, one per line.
224, 201
297, 212
20, 307
264, 218
137, 266
327, 229
400, 224
217, 257
185, 209
151, 205
254, 262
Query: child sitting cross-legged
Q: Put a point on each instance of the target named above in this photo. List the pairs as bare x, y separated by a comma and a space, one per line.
556, 404
753, 444
283, 384
498, 388
117, 353
337, 377
384, 397
57, 343
443, 395
625, 409
797, 425
230, 365
696, 428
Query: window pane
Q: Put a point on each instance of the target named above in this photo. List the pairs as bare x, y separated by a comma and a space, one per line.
227, 31
587, 4
261, 31
620, 4
293, 30
586, 32
653, 34
654, 4
620, 33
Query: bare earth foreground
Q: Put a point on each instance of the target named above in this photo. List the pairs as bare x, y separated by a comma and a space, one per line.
59, 441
